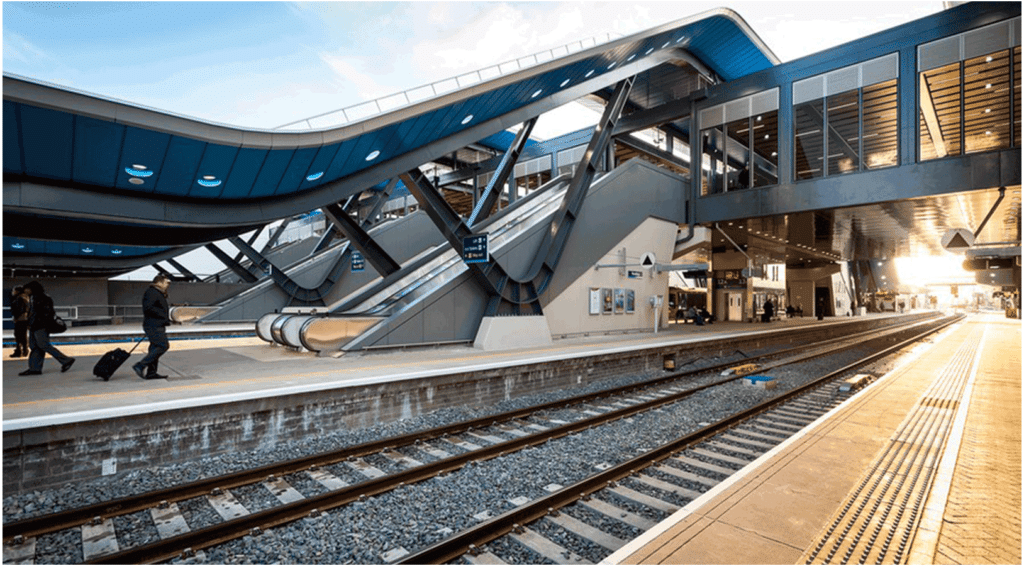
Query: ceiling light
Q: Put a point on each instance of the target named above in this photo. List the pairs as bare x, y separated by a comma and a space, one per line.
209, 177
987, 110
373, 155
209, 183
590, 72
137, 172
314, 176
988, 132
612, 65
139, 167
467, 119
18, 246
988, 59
766, 136
989, 85
115, 252
631, 57
648, 52
565, 82
758, 118
136, 181
537, 93
87, 250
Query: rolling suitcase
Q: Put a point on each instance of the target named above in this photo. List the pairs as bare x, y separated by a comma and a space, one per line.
112, 360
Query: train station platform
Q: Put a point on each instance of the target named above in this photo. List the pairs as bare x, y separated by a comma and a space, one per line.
239, 393
921, 467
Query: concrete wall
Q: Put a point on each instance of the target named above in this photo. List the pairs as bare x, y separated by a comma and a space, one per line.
92, 291
570, 313
49, 456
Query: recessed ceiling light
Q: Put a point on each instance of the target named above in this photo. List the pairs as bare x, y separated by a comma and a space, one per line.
209, 183
612, 65
537, 93
373, 155
648, 52
631, 57
136, 181
590, 72
139, 167
680, 39
989, 85
467, 119
18, 246
666, 45
209, 177
115, 252
87, 250
565, 82
137, 172
314, 176
988, 132
988, 59
987, 110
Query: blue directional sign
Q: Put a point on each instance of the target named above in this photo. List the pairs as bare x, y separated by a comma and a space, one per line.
474, 249
358, 262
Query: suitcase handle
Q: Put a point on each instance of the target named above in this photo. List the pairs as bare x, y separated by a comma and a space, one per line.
136, 344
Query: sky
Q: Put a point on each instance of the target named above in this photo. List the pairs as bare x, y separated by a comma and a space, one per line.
265, 64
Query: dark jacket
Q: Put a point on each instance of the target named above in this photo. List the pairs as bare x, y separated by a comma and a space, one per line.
20, 308
42, 312
155, 309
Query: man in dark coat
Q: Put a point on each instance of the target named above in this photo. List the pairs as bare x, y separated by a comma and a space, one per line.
156, 314
40, 319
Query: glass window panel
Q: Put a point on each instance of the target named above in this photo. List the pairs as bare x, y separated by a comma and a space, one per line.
713, 171
737, 170
1016, 96
809, 141
881, 120
843, 133
766, 148
939, 108
987, 102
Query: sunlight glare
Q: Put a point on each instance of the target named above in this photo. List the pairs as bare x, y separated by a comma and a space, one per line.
931, 269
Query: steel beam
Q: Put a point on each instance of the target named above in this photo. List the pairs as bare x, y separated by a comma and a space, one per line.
501, 175
189, 276
361, 240
231, 264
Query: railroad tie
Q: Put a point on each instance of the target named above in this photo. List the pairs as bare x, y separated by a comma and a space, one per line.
719, 456
734, 448
226, 505
684, 475
643, 499
284, 492
488, 438
694, 462
667, 486
21, 553
513, 431
168, 520
435, 452
585, 531
467, 446
363, 467
401, 459
98, 539
483, 558
618, 513
763, 446
548, 549
327, 479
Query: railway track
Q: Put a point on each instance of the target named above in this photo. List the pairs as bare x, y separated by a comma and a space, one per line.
366, 470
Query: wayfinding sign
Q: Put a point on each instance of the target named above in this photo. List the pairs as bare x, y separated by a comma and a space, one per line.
358, 261
648, 261
957, 239
474, 249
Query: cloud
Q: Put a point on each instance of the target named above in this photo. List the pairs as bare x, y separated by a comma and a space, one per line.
21, 50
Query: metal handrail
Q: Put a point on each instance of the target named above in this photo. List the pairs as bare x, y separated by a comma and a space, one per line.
364, 110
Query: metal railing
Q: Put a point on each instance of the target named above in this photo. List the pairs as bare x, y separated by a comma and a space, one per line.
391, 102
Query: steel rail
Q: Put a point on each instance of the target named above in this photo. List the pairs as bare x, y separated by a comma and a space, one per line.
470, 539
250, 524
43, 524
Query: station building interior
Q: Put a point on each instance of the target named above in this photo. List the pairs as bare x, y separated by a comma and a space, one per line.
715, 177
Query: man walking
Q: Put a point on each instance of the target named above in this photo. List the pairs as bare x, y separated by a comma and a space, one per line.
156, 316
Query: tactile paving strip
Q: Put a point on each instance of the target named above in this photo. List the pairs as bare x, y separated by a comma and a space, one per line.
877, 520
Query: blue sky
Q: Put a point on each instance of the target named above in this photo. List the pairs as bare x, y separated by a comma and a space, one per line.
262, 64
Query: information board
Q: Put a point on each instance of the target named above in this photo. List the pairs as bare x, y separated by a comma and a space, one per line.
358, 261
474, 249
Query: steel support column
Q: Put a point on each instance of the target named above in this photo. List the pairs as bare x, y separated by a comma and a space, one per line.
189, 276
231, 264
358, 237
508, 163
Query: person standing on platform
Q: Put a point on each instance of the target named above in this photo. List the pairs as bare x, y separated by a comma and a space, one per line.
20, 306
769, 311
156, 314
821, 309
40, 318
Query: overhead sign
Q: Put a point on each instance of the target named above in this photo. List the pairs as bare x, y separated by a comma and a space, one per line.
648, 261
358, 261
474, 249
957, 239
635, 274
